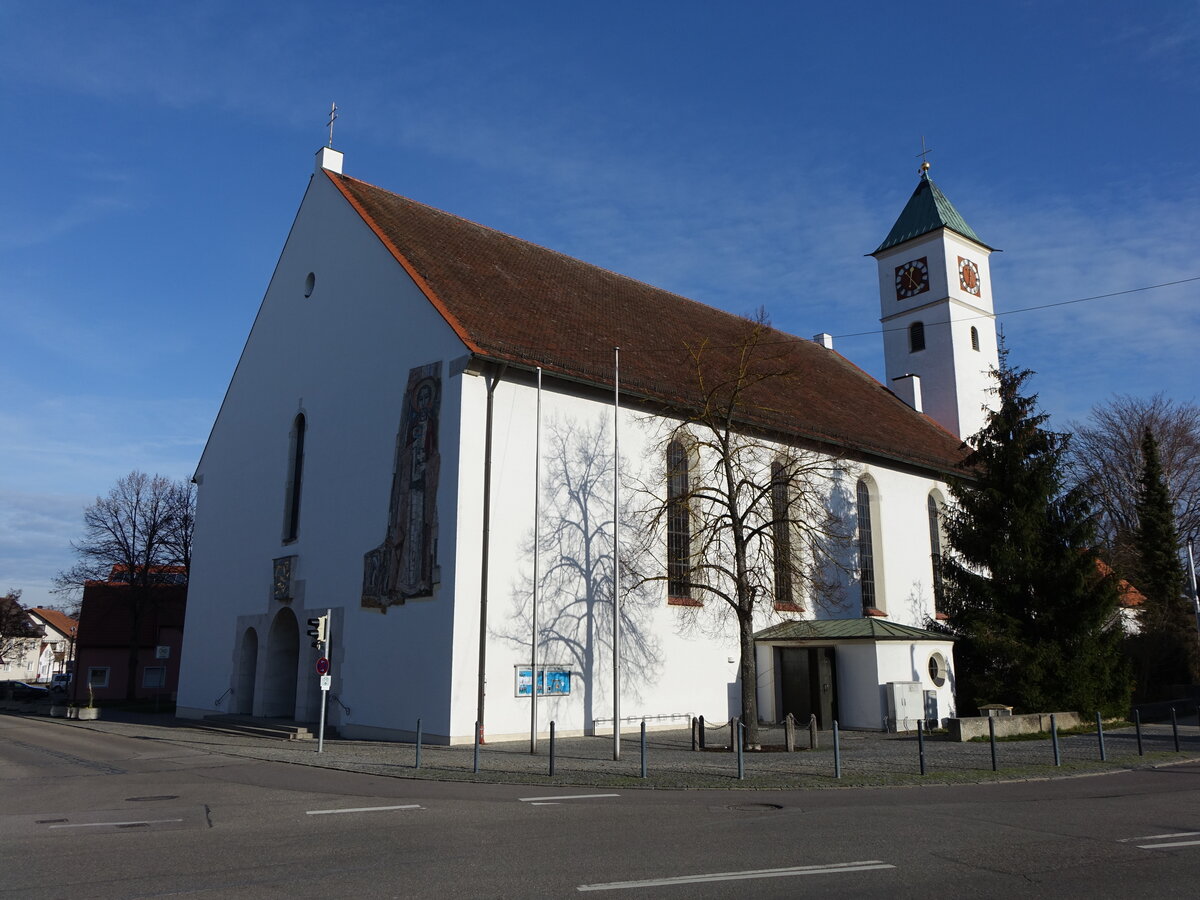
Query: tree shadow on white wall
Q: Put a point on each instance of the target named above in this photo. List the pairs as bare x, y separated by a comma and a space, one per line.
576, 569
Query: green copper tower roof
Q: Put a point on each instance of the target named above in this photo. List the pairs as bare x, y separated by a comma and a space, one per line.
927, 210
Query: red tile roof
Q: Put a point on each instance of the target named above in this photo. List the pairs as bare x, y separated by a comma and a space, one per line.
57, 620
513, 301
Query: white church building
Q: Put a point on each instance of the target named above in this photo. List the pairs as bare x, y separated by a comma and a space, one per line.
417, 389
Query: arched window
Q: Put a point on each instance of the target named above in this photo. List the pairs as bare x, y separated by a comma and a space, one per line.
935, 550
679, 523
916, 337
866, 547
974, 338
291, 511
781, 530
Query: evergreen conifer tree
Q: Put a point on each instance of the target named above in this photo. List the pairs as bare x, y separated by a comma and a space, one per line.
1165, 649
1038, 621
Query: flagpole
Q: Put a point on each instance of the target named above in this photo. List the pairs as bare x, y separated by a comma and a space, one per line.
616, 629
537, 535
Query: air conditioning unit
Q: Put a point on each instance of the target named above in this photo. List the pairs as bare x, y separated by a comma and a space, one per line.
906, 705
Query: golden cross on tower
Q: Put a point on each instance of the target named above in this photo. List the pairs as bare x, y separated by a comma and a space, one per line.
925, 151
333, 115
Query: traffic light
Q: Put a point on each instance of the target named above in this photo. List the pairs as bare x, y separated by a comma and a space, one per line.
318, 630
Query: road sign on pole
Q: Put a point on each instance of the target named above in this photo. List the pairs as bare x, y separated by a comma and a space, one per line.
326, 682
323, 666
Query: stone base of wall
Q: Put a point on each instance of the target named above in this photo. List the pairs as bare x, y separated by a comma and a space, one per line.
977, 726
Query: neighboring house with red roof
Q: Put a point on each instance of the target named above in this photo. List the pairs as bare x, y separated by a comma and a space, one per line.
391, 374
105, 636
57, 651
20, 641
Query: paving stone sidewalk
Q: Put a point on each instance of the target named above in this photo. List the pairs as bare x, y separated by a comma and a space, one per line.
867, 759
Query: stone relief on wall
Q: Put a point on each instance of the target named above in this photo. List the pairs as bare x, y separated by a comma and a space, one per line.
405, 564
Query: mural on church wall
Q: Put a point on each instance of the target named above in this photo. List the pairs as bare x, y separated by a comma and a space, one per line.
404, 566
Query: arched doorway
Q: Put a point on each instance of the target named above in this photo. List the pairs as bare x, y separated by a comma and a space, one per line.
247, 669
283, 657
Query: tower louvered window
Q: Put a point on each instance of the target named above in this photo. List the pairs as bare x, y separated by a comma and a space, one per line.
916, 337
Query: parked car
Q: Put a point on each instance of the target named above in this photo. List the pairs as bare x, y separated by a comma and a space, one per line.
60, 682
22, 692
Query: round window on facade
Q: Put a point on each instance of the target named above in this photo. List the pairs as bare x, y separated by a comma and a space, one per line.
937, 668
309, 283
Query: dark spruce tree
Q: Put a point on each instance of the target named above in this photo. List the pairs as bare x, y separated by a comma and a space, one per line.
1164, 650
1038, 622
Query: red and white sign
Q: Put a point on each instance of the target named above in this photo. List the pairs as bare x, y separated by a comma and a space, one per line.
323, 666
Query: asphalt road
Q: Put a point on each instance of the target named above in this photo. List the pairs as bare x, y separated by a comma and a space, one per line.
87, 814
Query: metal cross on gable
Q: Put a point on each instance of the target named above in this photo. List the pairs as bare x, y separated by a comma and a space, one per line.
924, 154
332, 116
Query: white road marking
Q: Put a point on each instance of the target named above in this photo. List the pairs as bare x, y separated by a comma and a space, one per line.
834, 869
330, 812
113, 824
534, 800
1175, 844
1155, 837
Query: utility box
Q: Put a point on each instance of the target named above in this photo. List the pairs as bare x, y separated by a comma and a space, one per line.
906, 705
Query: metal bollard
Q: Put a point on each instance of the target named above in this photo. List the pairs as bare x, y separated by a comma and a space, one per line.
921, 743
812, 732
417, 764
992, 737
837, 752
1054, 739
643, 748
740, 742
789, 733
475, 765
733, 733
552, 748
702, 744
1100, 736
1137, 726
1175, 728
695, 735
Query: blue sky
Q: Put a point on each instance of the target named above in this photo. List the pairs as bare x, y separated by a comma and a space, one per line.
743, 154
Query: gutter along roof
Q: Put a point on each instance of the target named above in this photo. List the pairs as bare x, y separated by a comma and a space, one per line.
513, 301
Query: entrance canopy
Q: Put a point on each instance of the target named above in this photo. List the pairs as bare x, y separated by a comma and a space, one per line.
865, 673
863, 629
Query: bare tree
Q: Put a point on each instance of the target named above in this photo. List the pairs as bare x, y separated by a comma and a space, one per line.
139, 535
16, 628
1107, 460
747, 515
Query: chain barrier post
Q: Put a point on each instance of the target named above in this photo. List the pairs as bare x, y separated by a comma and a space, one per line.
1054, 739
921, 743
992, 737
417, 765
475, 764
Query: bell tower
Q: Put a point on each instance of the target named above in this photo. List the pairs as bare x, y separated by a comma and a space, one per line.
935, 299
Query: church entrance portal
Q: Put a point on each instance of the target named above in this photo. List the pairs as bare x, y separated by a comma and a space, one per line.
808, 684
283, 658
243, 689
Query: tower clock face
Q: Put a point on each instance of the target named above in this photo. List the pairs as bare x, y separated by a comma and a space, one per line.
912, 278
968, 276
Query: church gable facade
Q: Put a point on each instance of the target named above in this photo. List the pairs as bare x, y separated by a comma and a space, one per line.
415, 392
